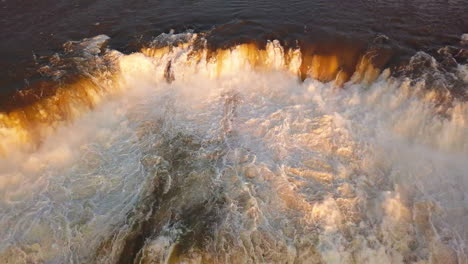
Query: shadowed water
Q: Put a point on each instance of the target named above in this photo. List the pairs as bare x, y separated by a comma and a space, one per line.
41, 28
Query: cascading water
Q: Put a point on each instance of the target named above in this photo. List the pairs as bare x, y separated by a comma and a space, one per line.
182, 154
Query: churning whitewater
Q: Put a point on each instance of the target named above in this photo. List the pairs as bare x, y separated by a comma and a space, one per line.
178, 154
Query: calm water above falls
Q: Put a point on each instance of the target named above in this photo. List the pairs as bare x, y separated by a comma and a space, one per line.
41, 28
233, 132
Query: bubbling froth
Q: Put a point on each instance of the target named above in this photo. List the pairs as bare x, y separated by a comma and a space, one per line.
182, 154
31, 123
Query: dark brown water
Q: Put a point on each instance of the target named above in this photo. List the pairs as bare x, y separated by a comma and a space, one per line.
40, 28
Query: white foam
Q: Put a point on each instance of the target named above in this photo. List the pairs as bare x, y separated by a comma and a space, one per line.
366, 175
464, 39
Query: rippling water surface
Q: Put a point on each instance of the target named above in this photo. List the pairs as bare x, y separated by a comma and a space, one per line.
41, 28
240, 132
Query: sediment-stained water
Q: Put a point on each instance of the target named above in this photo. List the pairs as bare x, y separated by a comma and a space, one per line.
236, 137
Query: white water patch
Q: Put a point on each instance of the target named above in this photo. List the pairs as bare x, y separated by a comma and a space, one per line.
464, 39
59, 203
310, 173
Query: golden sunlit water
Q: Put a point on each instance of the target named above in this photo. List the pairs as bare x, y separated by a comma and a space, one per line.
181, 153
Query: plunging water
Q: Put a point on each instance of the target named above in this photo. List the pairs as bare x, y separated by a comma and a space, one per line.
181, 154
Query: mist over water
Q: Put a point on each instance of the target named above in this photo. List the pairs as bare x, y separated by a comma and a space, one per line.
183, 154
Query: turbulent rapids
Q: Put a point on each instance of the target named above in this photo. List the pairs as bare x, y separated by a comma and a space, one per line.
182, 153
